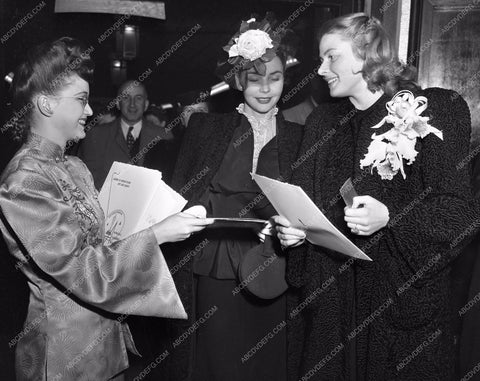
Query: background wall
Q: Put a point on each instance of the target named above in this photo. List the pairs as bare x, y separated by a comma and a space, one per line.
450, 51
190, 67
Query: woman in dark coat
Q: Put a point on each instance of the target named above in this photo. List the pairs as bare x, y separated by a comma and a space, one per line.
388, 319
237, 336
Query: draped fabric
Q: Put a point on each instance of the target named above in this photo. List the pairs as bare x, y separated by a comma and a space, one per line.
53, 226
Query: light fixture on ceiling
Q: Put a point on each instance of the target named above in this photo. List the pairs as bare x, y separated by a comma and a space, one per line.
9, 78
128, 39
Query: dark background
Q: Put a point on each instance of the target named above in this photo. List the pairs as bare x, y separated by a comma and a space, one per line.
188, 68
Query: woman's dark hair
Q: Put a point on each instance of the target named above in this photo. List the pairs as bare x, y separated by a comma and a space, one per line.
242, 74
46, 69
370, 42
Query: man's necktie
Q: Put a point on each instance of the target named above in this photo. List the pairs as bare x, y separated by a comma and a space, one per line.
130, 139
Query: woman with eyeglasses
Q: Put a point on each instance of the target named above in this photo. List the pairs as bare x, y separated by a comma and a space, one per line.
52, 222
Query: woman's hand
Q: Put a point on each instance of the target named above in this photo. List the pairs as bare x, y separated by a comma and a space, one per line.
368, 219
288, 236
179, 227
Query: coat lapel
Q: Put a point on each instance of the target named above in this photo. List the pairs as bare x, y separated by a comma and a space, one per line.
213, 150
214, 147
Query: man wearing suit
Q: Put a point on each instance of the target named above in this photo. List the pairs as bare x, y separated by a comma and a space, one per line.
126, 139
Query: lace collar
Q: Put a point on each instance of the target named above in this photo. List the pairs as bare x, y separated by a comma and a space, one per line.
254, 121
263, 130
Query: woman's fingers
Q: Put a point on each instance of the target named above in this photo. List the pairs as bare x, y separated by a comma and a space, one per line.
197, 211
280, 221
179, 227
291, 232
201, 221
194, 224
291, 242
359, 201
356, 220
359, 229
356, 212
366, 216
287, 235
291, 237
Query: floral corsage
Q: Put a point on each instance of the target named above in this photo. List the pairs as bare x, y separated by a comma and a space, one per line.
254, 44
387, 151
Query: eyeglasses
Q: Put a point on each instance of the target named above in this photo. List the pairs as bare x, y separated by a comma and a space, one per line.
83, 100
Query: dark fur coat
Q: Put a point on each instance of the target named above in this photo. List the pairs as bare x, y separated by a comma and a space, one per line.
388, 319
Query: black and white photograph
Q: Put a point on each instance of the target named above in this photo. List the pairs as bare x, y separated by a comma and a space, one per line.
240, 190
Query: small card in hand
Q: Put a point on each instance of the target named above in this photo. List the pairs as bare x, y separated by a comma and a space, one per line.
348, 192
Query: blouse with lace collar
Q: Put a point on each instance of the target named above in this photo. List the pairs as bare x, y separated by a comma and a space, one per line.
263, 130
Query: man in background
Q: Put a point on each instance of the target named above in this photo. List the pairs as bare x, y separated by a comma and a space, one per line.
126, 139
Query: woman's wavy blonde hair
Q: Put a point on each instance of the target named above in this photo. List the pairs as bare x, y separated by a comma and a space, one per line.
382, 69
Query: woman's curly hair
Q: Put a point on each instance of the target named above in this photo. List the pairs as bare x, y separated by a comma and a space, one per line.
46, 70
382, 69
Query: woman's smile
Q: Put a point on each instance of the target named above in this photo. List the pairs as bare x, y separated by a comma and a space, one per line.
264, 100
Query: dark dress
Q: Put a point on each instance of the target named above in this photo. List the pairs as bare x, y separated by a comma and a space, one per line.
213, 169
241, 320
389, 319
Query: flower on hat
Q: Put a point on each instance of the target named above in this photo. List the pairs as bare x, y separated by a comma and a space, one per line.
251, 45
254, 44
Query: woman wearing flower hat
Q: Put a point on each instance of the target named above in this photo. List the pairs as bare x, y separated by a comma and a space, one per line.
402, 147
238, 336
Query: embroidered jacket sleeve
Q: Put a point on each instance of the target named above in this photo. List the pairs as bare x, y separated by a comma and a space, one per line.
48, 234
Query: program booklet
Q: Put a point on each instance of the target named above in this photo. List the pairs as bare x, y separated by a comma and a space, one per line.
291, 202
134, 198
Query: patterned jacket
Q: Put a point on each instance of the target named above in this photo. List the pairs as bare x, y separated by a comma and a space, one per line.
53, 226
